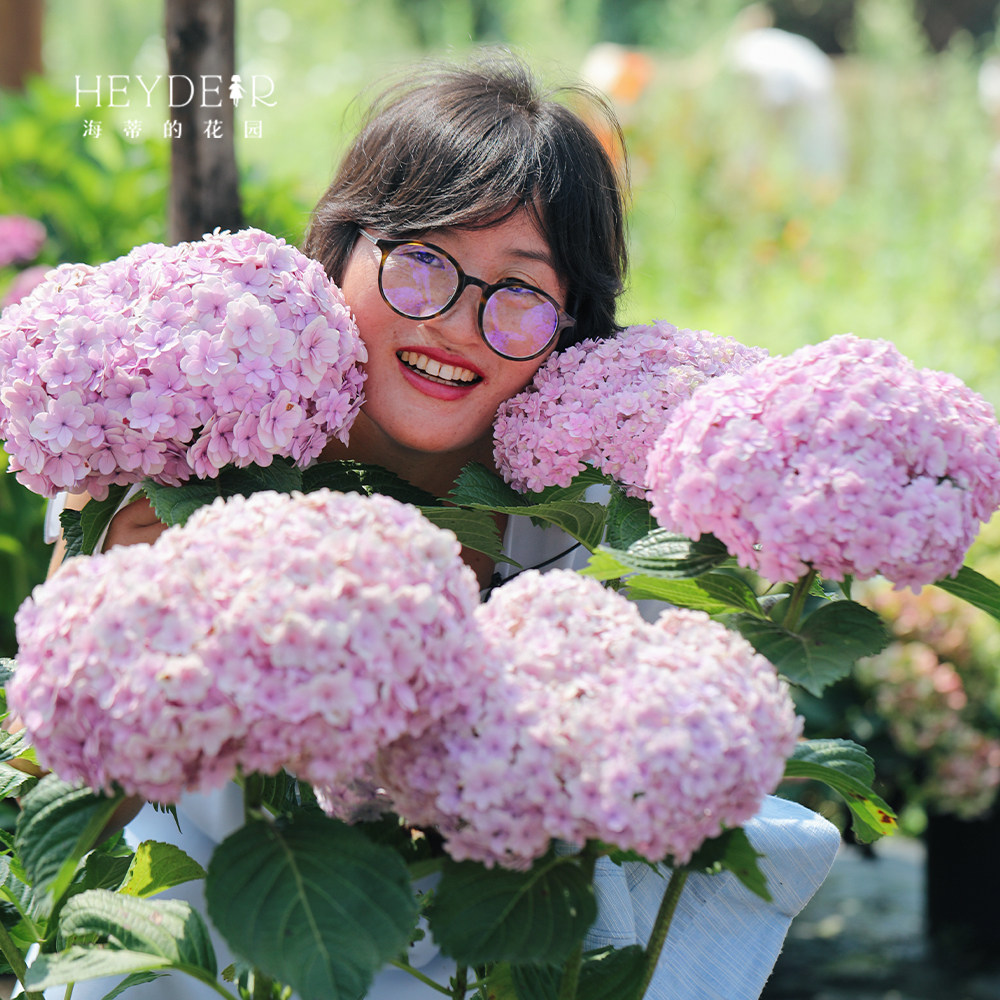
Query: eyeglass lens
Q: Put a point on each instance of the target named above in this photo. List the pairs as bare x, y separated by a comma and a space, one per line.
419, 282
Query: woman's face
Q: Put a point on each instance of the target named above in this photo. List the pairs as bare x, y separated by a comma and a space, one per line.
413, 401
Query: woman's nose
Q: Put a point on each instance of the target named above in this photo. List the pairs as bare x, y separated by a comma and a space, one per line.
460, 323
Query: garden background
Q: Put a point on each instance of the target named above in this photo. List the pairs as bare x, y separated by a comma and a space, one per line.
777, 209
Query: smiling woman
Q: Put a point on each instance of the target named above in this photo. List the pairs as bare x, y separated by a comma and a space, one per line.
470, 177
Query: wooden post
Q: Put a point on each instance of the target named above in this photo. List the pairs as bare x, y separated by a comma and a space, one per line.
204, 183
20, 42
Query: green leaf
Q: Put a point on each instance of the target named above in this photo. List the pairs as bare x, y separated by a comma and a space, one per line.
606, 973
669, 556
157, 866
170, 929
475, 529
14, 745
311, 902
105, 871
96, 516
848, 770
345, 476
135, 979
57, 825
980, 591
175, 504
714, 593
72, 532
588, 476
732, 851
482, 915
612, 972
7, 668
78, 963
583, 521
477, 486
829, 642
14, 782
629, 519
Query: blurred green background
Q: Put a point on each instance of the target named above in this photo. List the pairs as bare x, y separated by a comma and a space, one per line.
852, 184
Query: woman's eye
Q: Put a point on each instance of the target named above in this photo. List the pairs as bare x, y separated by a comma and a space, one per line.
424, 257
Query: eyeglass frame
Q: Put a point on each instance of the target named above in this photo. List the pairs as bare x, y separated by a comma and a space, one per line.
386, 246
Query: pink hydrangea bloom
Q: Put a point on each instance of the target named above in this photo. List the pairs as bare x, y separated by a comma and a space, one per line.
167, 362
21, 239
271, 631
598, 724
605, 402
842, 457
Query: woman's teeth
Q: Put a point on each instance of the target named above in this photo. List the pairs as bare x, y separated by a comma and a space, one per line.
435, 370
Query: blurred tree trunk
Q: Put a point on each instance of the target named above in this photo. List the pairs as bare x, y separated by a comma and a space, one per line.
20, 42
204, 184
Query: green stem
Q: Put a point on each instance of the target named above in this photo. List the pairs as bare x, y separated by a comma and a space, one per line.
426, 980
461, 981
798, 600
571, 970
661, 925
16, 961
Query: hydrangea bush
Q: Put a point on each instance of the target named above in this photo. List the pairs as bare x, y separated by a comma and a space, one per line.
175, 361
557, 746
605, 402
302, 632
842, 458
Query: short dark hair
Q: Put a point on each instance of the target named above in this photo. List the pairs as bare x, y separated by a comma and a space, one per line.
468, 145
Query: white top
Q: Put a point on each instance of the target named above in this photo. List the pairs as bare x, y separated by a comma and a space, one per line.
723, 941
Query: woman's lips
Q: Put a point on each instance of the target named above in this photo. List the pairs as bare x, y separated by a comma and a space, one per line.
437, 377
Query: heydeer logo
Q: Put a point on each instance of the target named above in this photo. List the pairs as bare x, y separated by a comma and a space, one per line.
120, 90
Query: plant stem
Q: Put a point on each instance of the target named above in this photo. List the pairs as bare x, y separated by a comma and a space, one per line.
426, 980
571, 970
16, 961
661, 925
461, 980
798, 599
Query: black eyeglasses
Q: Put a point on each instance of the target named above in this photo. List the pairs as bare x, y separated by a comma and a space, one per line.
419, 280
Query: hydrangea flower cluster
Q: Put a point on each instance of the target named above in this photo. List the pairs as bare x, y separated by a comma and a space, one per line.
301, 631
842, 457
605, 403
649, 736
21, 239
175, 360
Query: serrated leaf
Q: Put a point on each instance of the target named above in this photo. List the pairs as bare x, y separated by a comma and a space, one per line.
582, 521
72, 532
612, 972
158, 866
670, 556
482, 915
475, 529
848, 770
135, 979
588, 476
77, 964
345, 476
14, 886
311, 902
14, 745
824, 649
14, 782
7, 668
105, 871
477, 486
732, 851
57, 825
96, 516
175, 504
971, 586
714, 593
629, 519
170, 929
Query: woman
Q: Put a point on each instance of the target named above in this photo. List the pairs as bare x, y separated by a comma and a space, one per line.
475, 227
